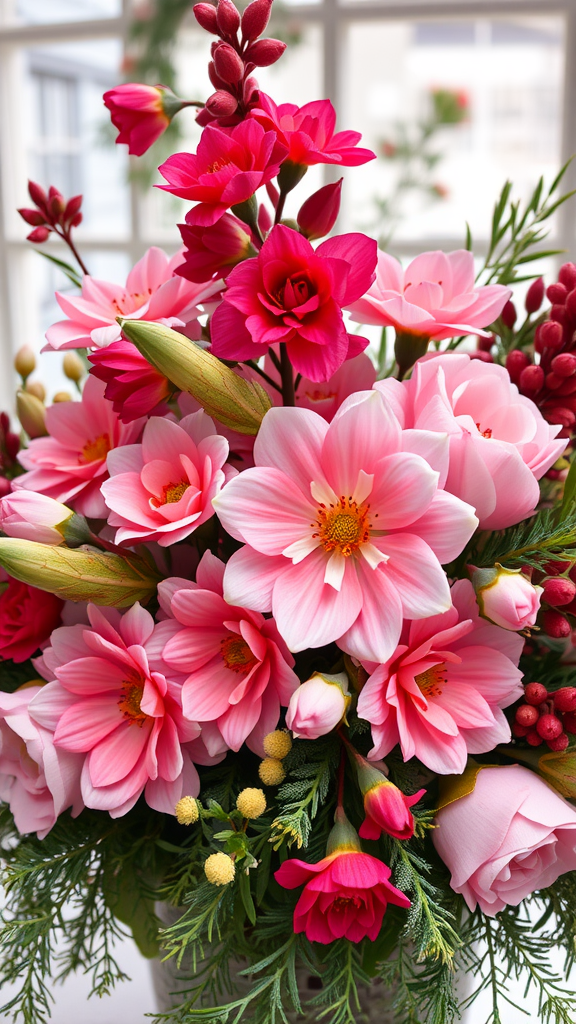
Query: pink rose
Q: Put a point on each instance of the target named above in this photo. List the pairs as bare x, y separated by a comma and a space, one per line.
512, 835
318, 706
506, 597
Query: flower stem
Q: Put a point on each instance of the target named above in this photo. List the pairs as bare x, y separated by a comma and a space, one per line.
280, 207
254, 366
341, 773
287, 376
66, 237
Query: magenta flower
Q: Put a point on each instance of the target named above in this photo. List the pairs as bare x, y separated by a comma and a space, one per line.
152, 292
238, 670
292, 293
436, 296
162, 489
214, 249
226, 170
111, 701
441, 692
133, 385
70, 464
308, 132
138, 112
345, 530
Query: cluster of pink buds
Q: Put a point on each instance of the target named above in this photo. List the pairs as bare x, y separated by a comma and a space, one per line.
558, 599
551, 383
51, 213
234, 57
546, 717
9, 448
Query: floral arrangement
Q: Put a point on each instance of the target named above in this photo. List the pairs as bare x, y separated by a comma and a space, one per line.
286, 633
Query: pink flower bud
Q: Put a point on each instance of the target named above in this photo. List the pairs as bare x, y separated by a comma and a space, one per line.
205, 15
534, 296
38, 235
386, 807
227, 18
221, 103
318, 706
217, 82
516, 361
72, 208
531, 380
555, 625
485, 344
264, 219
509, 315
571, 304
255, 19
558, 591
30, 515
556, 293
229, 66
567, 275
484, 357
564, 365
37, 195
32, 217
506, 597
264, 52
549, 335
317, 216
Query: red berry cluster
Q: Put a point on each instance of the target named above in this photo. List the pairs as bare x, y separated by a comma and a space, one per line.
546, 717
552, 383
51, 213
558, 582
9, 448
234, 58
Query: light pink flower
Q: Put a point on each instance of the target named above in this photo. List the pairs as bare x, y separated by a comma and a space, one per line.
435, 296
318, 706
500, 444
441, 693
153, 291
111, 701
507, 597
162, 489
344, 525
511, 836
237, 669
36, 780
325, 397
30, 515
70, 464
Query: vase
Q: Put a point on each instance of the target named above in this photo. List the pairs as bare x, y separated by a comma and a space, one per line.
170, 984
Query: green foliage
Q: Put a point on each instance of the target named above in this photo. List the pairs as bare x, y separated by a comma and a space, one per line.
12, 675
311, 769
549, 535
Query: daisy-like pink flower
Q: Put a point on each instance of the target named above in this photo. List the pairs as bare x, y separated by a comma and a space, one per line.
238, 671
345, 527
153, 291
441, 692
70, 464
225, 171
110, 700
162, 489
308, 132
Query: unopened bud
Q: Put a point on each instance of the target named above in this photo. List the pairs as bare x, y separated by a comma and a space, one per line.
548, 727
559, 743
485, 344
556, 293
61, 396
567, 275
571, 304
37, 194
509, 315
221, 103
38, 235
484, 357
229, 66
555, 625
527, 715
227, 18
264, 52
37, 388
205, 15
564, 365
317, 216
549, 335
534, 296
516, 361
255, 19
73, 367
56, 205
565, 698
535, 694
531, 380
32, 414
32, 217
558, 591
72, 209
25, 361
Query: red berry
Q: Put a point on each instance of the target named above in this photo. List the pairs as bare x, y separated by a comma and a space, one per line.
567, 275
548, 727
526, 715
534, 739
569, 720
559, 743
516, 361
564, 365
557, 293
565, 699
509, 315
519, 731
535, 694
555, 625
549, 335
558, 591
531, 380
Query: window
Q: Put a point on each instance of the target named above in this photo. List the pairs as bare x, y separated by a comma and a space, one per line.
376, 59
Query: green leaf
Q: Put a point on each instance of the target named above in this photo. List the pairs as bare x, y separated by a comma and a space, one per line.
248, 902
66, 269
569, 498
126, 896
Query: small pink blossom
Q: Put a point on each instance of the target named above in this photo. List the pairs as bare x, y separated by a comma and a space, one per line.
344, 525
500, 444
318, 706
133, 385
214, 249
70, 464
153, 292
111, 701
162, 489
138, 112
441, 692
436, 296
506, 597
308, 132
237, 670
30, 515
387, 809
325, 397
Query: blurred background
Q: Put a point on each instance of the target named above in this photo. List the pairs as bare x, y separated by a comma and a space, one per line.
455, 96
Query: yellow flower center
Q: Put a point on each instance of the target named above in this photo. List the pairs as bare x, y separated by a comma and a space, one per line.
236, 654
129, 703
343, 526
432, 680
173, 492
217, 165
96, 450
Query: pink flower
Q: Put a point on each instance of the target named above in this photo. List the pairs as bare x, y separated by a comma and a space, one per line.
511, 836
308, 132
318, 706
70, 464
500, 444
27, 618
226, 170
506, 597
238, 670
138, 112
110, 700
325, 397
292, 293
441, 693
133, 385
30, 515
345, 529
152, 292
387, 809
162, 489
37, 781
436, 296
214, 249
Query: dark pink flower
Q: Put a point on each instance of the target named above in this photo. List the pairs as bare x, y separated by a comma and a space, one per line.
226, 170
27, 618
214, 249
308, 132
292, 293
133, 385
141, 113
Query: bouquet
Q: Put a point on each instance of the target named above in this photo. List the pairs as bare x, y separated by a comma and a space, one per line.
286, 631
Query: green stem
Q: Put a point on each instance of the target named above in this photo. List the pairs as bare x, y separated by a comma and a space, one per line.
287, 375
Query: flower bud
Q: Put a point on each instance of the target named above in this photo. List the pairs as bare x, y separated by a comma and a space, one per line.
219, 869
229, 66
255, 18
317, 216
559, 743
227, 18
509, 315
409, 346
271, 771
25, 361
186, 811
548, 335
534, 738
37, 195
73, 367
516, 361
38, 235
32, 414
221, 103
386, 807
61, 396
556, 293
531, 380
571, 304
564, 365
506, 597
37, 389
318, 705
558, 591
205, 15
32, 217
72, 209
485, 344
251, 803
484, 357
264, 52
555, 625
534, 296
31, 515
567, 275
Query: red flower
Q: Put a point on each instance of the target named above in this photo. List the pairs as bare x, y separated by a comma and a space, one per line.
292, 293
141, 113
214, 249
133, 386
345, 896
308, 132
226, 170
387, 809
27, 618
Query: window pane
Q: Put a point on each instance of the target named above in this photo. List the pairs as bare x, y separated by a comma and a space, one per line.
28, 12
507, 73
